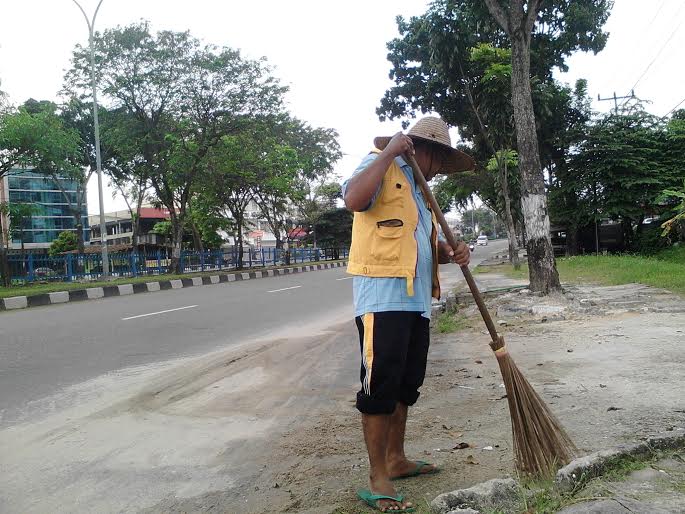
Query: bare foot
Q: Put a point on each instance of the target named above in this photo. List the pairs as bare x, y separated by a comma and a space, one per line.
404, 467
386, 488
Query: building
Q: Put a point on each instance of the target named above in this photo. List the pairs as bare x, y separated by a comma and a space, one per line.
53, 208
120, 227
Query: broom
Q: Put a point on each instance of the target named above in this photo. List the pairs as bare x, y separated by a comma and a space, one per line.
541, 444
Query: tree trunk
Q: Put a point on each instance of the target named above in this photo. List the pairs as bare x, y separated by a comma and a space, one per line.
176, 243
80, 242
541, 265
239, 233
572, 240
511, 236
197, 238
511, 228
4, 258
628, 234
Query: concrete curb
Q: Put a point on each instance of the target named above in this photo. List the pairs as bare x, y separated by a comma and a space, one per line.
580, 470
501, 494
94, 293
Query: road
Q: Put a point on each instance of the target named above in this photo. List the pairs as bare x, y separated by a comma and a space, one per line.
44, 350
176, 401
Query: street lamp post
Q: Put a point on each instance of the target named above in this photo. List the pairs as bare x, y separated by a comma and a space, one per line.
98, 160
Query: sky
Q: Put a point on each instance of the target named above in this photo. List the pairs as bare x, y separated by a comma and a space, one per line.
332, 55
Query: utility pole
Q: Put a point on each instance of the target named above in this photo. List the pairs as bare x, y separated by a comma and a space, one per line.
98, 160
616, 99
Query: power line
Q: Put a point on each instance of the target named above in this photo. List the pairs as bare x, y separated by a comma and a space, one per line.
663, 2
677, 105
660, 50
677, 27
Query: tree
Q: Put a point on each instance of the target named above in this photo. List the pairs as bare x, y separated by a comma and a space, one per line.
333, 229
208, 223
483, 220
19, 215
232, 170
123, 162
518, 21
621, 168
316, 206
37, 139
504, 164
572, 206
184, 97
4, 241
4, 102
65, 242
432, 70
274, 189
677, 222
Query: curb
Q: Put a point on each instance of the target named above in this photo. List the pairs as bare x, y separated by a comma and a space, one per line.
498, 493
580, 470
95, 293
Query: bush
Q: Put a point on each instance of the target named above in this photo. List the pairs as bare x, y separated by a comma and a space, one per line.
65, 242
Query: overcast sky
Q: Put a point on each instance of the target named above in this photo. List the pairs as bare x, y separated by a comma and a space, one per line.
331, 54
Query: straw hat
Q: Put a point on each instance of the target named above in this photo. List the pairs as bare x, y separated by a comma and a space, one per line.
435, 131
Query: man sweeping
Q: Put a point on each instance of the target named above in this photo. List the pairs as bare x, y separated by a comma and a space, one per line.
394, 256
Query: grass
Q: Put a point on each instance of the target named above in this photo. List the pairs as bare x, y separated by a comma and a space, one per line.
52, 287
543, 497
665, 269
448, 322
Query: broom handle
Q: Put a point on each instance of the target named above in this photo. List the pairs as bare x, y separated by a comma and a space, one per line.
428, 194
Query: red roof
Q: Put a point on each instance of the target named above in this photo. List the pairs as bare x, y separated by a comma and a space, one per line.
297, 233
152, 213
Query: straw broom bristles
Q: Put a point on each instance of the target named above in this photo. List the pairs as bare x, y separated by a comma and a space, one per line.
541, 445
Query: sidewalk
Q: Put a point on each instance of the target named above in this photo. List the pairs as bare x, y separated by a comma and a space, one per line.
607, 361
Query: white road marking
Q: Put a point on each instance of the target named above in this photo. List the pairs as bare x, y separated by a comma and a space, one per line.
160, 312
344, 278
284, 289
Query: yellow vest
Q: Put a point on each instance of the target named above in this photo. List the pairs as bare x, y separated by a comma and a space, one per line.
383, 242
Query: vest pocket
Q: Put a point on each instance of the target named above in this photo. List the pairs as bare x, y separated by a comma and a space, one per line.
387, 241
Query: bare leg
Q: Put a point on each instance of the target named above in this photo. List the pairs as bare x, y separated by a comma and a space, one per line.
376, 435
396, 461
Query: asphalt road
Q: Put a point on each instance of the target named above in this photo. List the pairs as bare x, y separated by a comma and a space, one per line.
43, 350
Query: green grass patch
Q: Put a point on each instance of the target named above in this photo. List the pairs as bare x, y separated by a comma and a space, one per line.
543, 497
665, 269
53, 287
448, 322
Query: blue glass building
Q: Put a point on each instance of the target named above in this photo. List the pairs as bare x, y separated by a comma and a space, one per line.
53, 213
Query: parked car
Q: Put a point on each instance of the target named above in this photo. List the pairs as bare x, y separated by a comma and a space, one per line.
44, 272
483, 240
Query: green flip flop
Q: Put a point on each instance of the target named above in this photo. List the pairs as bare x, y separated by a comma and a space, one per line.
371, 500
417, 471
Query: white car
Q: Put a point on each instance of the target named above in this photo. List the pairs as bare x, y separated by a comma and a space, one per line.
482, 241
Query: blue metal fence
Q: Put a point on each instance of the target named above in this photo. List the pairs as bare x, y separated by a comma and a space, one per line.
88, 267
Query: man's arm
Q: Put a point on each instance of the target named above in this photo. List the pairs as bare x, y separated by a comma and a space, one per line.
361, 187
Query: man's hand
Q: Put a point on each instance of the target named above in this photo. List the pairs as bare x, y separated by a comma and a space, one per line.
461, 256
399, 145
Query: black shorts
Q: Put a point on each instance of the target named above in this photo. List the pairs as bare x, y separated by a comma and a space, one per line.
394, 349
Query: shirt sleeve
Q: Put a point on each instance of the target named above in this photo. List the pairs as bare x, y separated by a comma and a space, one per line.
366, 162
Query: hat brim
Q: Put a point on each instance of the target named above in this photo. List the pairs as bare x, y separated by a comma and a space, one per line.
454, 161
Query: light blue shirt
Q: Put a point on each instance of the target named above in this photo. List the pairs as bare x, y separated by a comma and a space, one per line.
373, 294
